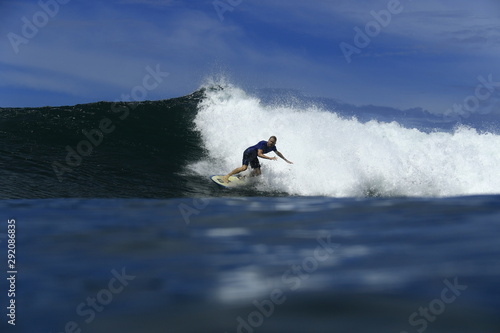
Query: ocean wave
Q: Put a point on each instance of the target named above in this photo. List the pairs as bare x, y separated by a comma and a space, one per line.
169, 148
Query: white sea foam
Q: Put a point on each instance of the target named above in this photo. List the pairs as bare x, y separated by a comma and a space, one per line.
340, 157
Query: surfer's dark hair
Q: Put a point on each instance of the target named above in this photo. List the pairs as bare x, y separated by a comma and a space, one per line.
273, 137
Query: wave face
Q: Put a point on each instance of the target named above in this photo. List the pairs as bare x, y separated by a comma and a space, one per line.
343, 157
98, 150
169, 148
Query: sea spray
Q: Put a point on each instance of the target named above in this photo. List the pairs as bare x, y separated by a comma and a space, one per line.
336, 156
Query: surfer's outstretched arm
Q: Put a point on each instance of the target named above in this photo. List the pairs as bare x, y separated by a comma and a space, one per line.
283, 157
261, 155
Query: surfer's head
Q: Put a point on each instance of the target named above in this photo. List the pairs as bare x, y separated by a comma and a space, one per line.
272, 141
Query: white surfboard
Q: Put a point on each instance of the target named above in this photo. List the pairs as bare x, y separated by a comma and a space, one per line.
234, 181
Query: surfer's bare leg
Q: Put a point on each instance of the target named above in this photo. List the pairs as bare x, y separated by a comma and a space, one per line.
242, 168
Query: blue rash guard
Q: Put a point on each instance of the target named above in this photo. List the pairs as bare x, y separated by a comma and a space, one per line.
250, 154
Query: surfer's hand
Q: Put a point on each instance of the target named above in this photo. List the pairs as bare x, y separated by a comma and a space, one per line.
287, 161
274, 158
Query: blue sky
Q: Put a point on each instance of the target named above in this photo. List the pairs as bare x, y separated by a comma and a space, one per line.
427, 53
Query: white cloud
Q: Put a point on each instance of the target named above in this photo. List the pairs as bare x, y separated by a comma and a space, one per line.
74, 51
439, 23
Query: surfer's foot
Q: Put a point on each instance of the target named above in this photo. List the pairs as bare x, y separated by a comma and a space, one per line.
225, 179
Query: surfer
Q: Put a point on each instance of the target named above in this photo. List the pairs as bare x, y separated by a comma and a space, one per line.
251, 154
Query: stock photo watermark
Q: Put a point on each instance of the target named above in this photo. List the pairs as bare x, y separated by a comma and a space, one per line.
420, 319
30, 27
95, 136
97, 304
222, 6
11, 270
484, 91
363, 38
188, 210
291, 280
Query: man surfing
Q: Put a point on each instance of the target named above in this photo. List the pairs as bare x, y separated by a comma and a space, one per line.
251, 154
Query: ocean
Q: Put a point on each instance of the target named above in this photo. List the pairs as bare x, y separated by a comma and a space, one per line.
385, 222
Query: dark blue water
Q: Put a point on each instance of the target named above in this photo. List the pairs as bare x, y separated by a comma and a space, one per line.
376, 227
255, 264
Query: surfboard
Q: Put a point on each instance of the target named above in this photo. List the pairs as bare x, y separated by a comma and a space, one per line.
234, 181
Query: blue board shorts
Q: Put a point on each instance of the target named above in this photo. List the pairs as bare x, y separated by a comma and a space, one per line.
250, 157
